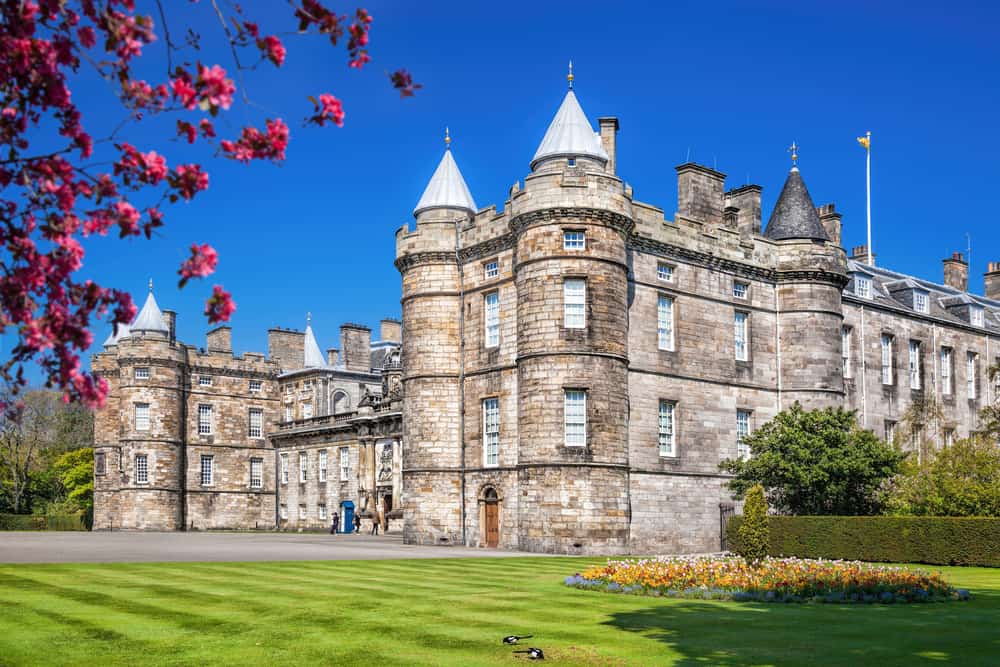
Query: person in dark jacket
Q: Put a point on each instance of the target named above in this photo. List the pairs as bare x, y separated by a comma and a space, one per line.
334, 523
357, 523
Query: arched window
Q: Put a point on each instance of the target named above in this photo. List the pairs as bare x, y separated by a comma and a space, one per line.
341, 401
490, 495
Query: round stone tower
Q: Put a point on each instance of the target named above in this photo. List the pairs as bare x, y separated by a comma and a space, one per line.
570, 222
150, 394
811, 273
433, 456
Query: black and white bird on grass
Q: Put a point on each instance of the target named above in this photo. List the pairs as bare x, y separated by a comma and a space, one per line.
513, 639
534, 653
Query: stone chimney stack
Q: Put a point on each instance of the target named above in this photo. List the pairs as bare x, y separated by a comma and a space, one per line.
220, 339
956, 272
830, 218
170, 317
391, 330
746, 200
700, 194
332, 357
355, 343
609, 140
992, 280
859, 253
287, 347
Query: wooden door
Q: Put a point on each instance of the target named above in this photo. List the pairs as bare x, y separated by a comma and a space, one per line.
492, 525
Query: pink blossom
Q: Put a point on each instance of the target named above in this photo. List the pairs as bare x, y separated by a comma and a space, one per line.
329, 108
220, 306
185, 92
201, 263
273, 49
189, 180
214, 88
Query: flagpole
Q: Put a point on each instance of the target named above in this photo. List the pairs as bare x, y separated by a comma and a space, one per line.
868, 192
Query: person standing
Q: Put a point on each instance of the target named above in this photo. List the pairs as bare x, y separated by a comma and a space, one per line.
357, 523
375, 524
334, 523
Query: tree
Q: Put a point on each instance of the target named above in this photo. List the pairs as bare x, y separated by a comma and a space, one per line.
76, 472
960, 480
60, 184
816, 462
754, 533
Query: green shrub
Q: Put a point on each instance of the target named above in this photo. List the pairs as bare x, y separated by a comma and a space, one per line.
934, 540
753, 529
43, 522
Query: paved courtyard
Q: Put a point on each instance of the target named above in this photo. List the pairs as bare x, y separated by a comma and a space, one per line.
125, 547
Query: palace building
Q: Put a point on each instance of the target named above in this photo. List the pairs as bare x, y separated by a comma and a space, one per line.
567, 376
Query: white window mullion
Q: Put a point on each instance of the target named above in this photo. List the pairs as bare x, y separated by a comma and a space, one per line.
666, 429
665, 322
575, 303
575, 418
740, 335
491, 432
492, 319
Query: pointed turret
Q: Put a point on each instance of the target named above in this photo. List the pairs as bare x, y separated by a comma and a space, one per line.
115, 336
447, 188
150, 318
570, 134
794, 216
313, 357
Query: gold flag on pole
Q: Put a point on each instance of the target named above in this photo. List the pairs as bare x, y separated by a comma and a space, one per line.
866, 142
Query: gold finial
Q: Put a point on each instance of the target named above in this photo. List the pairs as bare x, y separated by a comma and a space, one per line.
447, 138
794, 150
150, 285
569, 77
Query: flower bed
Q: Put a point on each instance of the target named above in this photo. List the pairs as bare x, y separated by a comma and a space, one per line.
775, 580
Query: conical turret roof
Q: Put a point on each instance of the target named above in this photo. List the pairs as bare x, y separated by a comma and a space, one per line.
114, 337
570, 135
150, 318
447, 189
313, 357
794, 216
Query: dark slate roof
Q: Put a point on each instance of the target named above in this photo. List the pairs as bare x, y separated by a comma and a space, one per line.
794, 216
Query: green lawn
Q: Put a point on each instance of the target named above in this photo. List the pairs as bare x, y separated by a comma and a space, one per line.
451, 612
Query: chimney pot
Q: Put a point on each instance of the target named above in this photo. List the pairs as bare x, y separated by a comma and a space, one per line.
956, 272
609, 140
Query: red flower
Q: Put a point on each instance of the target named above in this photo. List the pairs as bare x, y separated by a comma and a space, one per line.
189, 180
201, 263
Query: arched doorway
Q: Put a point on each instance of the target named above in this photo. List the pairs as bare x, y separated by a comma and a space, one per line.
492, 517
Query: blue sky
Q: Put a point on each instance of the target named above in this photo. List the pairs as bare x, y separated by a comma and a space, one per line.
733, 83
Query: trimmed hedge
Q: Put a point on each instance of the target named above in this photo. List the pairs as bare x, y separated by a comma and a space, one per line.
43, 522
932, 540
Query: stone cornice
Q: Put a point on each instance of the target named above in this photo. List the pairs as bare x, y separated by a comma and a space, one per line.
412, 259
617, 221
484, 249
671, 251
838, 280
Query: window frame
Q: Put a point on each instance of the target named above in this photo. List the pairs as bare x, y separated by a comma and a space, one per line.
210, 470
665, 322
570, 299
303, 467
971, 375
888, 344
491, 319
205, 428
572, 243
977, 316
141, 471
289, 414
746, 290
204, 380
284, 467
741, 332
303, 512
743, 419
666, 434
491, 269
914, 367
257, 462
139, 408
491, 431
259, 413
945, 362
578, 397
307, 407
860, 280
921, 301
322, 464
846, 331
344, 455
142, 373
665, 272
100, 463
256, 386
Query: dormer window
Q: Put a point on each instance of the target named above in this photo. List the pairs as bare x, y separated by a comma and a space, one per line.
863, 287
920, 303
976, 316
573, 240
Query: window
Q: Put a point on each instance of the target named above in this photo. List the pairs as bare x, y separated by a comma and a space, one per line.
920, 302
740, 290
574, 303
204, 419
948, 437
307, 410
573, 240
141, 469
946, 371
142, 372
845, 349
887, 359
575, 417
666, 429
322, 511
863, 287
284, 512
491, 269
345, 464
204, 380
491, 432
664, 272
665, 322
914, 364
100, 464
890, 431
288, 389
303, 466
142, 416
322, 465
284, 468
976, 316
256, 423
571, 162
742, 431
740, 323
256, 386
492, 318
288, 413
207, 470
303, 514
256, 473
970, 374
